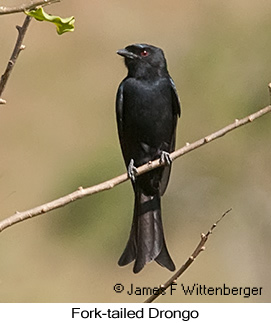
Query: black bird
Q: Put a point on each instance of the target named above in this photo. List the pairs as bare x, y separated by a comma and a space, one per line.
147, 108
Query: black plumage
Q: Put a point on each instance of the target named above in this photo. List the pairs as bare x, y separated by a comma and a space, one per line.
147, 108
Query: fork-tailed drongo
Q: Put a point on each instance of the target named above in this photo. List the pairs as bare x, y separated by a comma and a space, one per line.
147, 108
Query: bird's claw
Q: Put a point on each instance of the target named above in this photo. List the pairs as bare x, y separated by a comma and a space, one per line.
165, 158
132, 171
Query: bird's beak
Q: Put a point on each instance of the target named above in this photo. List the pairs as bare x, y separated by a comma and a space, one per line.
125, 53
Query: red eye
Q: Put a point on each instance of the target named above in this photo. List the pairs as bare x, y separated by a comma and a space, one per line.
144, 53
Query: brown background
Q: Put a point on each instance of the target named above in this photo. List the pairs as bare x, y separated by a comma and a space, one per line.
58, 132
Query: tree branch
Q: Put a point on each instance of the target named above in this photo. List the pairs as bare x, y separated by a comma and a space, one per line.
25, 7
82, 192
16, 51
200, 247
19, 43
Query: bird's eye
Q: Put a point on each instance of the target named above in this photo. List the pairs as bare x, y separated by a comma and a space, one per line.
144, 53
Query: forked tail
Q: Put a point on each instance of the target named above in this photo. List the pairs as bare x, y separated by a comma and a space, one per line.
146, 241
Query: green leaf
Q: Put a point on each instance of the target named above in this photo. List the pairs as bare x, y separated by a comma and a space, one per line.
62, 24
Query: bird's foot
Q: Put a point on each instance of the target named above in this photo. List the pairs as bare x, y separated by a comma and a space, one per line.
165, 158
132, 171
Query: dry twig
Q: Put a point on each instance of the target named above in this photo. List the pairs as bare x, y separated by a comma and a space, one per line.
19, 43
200, 247
16, 51
82, 192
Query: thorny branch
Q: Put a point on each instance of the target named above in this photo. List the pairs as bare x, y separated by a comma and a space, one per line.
25, 7
200, 247
82, 192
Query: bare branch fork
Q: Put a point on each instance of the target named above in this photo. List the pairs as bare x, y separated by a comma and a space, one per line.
82, 192
25, 7
200, 247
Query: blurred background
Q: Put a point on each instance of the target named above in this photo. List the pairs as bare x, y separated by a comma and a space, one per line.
58, 132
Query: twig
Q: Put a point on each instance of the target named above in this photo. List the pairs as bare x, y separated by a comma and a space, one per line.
200, 247
24, 7
82, 192
269, 88
17, 49
21, 33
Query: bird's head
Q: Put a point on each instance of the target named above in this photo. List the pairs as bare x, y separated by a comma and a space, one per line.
143, 60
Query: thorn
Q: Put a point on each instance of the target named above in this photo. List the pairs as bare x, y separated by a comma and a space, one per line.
2, 101
187, 143
80, 188
202, 235
19, 28
192, 258
22, 47
202, 248
150, 164
236, 120
111, 185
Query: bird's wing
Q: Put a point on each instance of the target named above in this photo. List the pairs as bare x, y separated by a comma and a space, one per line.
119, 113
175, 99
119, 109
176, 108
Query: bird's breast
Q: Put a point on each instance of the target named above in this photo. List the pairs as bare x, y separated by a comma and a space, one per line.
148, 112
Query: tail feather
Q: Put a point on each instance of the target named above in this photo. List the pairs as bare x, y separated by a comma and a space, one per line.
146, 241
